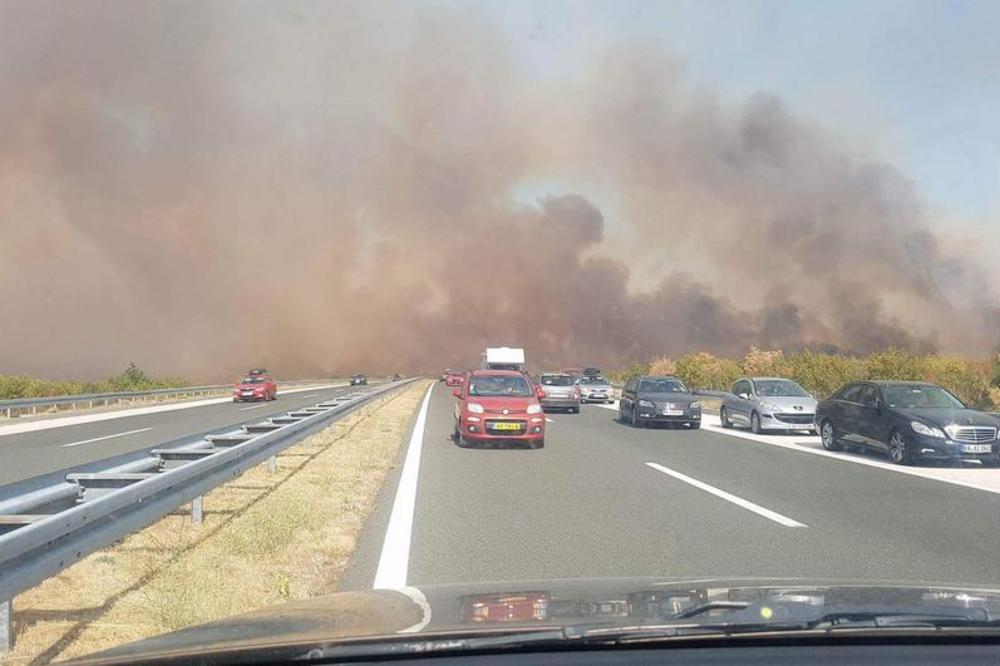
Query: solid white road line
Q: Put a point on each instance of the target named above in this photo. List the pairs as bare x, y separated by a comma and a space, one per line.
98, 439
311, 395
394, 562
62, 422
247, 409
739, 501
976, 478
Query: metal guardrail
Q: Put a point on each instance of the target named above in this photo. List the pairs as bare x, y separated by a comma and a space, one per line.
13, 407
112, 504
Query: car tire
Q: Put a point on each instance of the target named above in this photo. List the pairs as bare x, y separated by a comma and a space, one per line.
755, 424
538, 444
636, 422
828, 436
724, 418
621, 415
900, 451
575, 410
695, 425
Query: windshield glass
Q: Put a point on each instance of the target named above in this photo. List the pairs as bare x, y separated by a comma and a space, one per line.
662, 386
500, 385
914, 396
657, 239
779, 388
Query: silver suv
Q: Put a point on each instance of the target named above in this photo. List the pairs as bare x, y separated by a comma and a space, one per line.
768, 403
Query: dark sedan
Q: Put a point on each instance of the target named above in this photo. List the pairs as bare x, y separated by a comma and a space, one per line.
909, 421
651, 400
359, 379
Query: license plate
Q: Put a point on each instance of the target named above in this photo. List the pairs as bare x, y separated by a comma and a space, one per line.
673, 412
976, 448
506, 426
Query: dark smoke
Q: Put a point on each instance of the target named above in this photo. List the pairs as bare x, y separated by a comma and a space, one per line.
201, 187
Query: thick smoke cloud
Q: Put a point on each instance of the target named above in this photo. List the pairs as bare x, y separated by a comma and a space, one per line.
200, 187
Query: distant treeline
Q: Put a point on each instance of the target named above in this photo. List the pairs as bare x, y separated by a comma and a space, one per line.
132, 379
975, 381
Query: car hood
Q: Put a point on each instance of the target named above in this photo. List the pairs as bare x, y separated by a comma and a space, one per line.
790, 403
513, 404
668, 397
359, 618
945, 417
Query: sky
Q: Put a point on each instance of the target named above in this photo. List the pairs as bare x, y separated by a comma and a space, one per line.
916, 82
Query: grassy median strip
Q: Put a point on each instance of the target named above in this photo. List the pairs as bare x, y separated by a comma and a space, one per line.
265, 539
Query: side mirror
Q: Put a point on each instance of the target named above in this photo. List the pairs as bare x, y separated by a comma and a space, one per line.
745, 396
457, 392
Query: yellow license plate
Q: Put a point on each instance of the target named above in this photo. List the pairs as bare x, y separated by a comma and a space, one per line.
506, 426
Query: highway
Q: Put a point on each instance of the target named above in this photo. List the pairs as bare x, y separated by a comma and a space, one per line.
605, 499
40, 448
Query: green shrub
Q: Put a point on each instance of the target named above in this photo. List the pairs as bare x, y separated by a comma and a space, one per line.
705, 371
13, 387
762, 363
968, 379
822, 374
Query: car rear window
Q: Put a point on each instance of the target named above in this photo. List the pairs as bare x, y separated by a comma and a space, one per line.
557, 380
256, 379
497, 385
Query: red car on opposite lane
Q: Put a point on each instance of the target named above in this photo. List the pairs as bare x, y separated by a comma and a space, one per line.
255, 387
498, 406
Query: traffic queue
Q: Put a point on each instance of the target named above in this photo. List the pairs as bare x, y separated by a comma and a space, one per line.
909, 422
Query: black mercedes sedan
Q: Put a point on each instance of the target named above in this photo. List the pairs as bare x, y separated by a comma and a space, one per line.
909, 421
650, 400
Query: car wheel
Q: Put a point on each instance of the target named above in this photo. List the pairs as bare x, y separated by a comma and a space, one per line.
755, 424
576, 410
828, 436
724, 418
695, 425
621, 414
900, 451
635, 418
538, 444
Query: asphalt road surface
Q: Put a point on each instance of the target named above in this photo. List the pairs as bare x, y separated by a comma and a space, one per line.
25, 455
605, 499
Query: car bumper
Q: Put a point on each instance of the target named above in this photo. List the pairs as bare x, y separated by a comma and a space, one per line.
476, 431
599, 397
649, 416
559, 402
932, 448
773, 422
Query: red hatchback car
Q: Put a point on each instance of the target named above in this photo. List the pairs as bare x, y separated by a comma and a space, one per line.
498, 406
255, 387
454, 379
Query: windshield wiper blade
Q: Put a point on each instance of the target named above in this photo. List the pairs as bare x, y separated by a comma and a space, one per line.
890, 619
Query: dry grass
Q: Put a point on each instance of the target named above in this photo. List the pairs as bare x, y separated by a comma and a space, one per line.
265, 539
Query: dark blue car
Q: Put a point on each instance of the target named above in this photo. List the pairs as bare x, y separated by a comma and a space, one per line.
909, 421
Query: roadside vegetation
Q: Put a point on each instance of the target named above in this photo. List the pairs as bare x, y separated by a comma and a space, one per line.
975, 381
13, 387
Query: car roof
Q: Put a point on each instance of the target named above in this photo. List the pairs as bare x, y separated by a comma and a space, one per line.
660, 377
496, 373
897, 382
556, 374
757, 379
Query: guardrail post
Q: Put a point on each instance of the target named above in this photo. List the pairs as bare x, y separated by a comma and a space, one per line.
272, 464
196, 509
6, 626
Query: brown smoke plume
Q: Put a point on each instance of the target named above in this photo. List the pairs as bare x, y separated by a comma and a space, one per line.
200, 187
